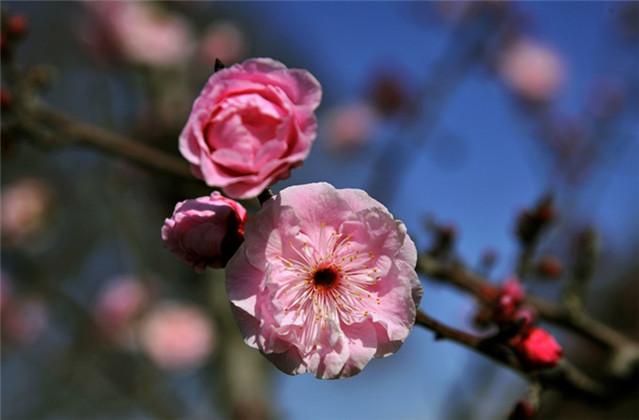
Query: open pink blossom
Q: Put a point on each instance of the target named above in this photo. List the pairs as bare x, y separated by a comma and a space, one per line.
532, 70
325, 281
252, 123
177, 336
205, 231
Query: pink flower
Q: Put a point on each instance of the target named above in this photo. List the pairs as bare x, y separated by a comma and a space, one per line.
532, 70
205, 231
251, 124
538, 348
224, 41
324, 281
139, 33
177, 336
350, 126
119, 304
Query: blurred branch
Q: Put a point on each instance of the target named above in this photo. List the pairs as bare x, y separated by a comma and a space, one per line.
565, 377
466, 46
69, 129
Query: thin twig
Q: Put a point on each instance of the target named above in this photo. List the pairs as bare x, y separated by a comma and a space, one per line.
111, 143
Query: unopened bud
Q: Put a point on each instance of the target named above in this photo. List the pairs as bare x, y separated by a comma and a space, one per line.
549, 267
16, 26
6, 99
523, 410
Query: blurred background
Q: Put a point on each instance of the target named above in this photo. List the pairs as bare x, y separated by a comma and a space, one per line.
460, 112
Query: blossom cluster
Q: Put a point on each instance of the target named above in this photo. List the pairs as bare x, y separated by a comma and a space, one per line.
536, 347
320, 280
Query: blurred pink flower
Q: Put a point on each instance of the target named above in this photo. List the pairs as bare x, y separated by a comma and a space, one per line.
350, 126
224, 41
139, 33
205, 231
532, 70
177, 336
252, 123
24, 205
119, 304
24, 320
324, 281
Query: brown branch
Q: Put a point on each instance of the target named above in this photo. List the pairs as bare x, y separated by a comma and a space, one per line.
577, 321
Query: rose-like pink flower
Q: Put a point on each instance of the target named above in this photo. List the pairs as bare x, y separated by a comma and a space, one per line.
177, 336
205, 231
532, 70
325, 281
252, 123
538, 348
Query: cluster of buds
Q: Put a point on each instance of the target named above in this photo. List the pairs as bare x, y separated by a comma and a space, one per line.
535, 347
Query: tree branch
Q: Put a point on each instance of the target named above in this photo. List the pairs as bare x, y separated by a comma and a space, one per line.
68, 128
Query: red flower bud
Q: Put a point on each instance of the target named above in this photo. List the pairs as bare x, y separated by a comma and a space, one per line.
6, 98
538, 348
16, 26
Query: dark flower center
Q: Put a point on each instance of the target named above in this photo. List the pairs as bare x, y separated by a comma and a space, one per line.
325, 277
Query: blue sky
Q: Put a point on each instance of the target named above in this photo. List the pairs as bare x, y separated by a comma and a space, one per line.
500, 173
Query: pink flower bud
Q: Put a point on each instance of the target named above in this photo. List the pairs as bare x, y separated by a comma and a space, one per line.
177, 336
538, 348
205, 231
